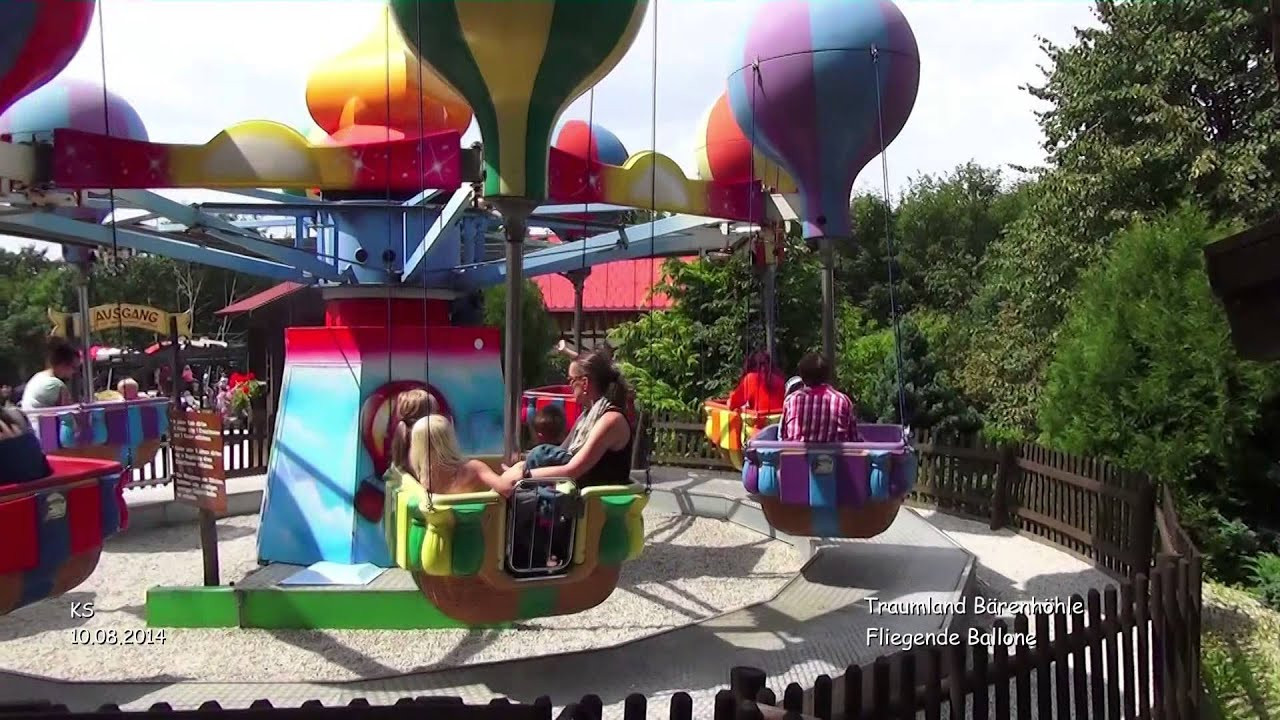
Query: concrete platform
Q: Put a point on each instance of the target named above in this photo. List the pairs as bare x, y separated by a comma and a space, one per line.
818, 623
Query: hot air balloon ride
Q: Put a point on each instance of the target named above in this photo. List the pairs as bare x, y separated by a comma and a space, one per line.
39, 40
517, 69
596, 144
826, 85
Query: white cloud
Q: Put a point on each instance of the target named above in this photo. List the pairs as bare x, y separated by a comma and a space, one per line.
192, 68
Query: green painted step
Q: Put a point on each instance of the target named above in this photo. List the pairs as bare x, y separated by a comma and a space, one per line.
295, 609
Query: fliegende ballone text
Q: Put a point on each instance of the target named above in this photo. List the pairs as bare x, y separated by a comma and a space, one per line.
960, 607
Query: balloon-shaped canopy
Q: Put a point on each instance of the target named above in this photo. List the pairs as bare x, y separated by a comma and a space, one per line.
590, 142
813, 99
724, 152
77, 105
381, 82
519, 64
39, 39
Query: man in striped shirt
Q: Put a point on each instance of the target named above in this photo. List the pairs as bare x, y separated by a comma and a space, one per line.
817, 412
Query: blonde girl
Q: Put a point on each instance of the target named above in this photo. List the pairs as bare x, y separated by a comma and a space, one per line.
438, 465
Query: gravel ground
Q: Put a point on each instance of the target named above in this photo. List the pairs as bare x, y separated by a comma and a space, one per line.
1013, 567
691, 569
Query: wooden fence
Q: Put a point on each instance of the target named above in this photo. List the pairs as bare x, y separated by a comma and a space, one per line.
245, 452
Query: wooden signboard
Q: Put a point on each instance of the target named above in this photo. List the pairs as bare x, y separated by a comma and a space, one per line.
199, 477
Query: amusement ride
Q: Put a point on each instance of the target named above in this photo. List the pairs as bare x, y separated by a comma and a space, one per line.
391, 217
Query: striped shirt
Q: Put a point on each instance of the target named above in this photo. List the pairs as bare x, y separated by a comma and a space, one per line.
819, 414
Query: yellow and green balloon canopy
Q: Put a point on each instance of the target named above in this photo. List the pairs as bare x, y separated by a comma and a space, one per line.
519, 63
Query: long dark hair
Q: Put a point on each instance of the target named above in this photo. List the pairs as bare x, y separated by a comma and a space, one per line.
598, 366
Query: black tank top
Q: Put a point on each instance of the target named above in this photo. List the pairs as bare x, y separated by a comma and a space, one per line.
614, 466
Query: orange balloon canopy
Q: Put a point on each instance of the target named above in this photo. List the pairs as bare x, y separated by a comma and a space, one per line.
352, 89
724, 152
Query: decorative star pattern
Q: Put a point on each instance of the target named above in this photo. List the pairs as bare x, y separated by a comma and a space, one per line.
433, 161
89, 160
573, 179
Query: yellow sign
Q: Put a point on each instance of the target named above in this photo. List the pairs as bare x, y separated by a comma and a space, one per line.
116, 315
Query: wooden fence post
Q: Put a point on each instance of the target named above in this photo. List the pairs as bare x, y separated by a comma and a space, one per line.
1000, 492
746, 682
1143, 530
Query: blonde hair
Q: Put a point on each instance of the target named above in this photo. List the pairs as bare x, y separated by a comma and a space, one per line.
411, 406
128, 388
434, 444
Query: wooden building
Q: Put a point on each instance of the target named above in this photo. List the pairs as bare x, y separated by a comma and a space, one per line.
1244, 272
269, 313
611, 294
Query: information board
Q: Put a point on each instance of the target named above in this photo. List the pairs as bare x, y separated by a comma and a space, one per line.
199, 477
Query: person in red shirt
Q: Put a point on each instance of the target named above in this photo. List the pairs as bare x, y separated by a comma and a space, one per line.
761, 388
817, 412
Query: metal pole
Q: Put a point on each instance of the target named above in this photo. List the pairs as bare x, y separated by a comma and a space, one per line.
770, 318
515, 213
828, 300
579, 280
86, 365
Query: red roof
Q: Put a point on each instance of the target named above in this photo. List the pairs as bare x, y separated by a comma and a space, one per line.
258, 300
621, 286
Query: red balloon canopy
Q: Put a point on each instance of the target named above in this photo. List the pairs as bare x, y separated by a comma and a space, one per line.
40, 39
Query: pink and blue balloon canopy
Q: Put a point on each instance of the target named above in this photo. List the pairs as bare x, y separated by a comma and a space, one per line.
77, 105
821, 87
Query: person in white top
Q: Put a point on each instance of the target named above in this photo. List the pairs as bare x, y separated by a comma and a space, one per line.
48, 388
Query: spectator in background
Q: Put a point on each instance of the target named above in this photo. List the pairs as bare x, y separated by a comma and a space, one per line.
817, 412
48, 388
6, 395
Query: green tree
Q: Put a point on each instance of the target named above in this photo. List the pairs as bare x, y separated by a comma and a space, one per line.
1145, 372
1164, 103
944, 226
919, 386
697, 347
538, 331
30, 285
862, 267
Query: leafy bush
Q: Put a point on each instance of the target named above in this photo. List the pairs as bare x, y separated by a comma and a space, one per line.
1227, 544
1266, 579
860, 357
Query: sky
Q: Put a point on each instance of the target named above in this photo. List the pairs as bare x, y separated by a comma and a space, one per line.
192, 68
